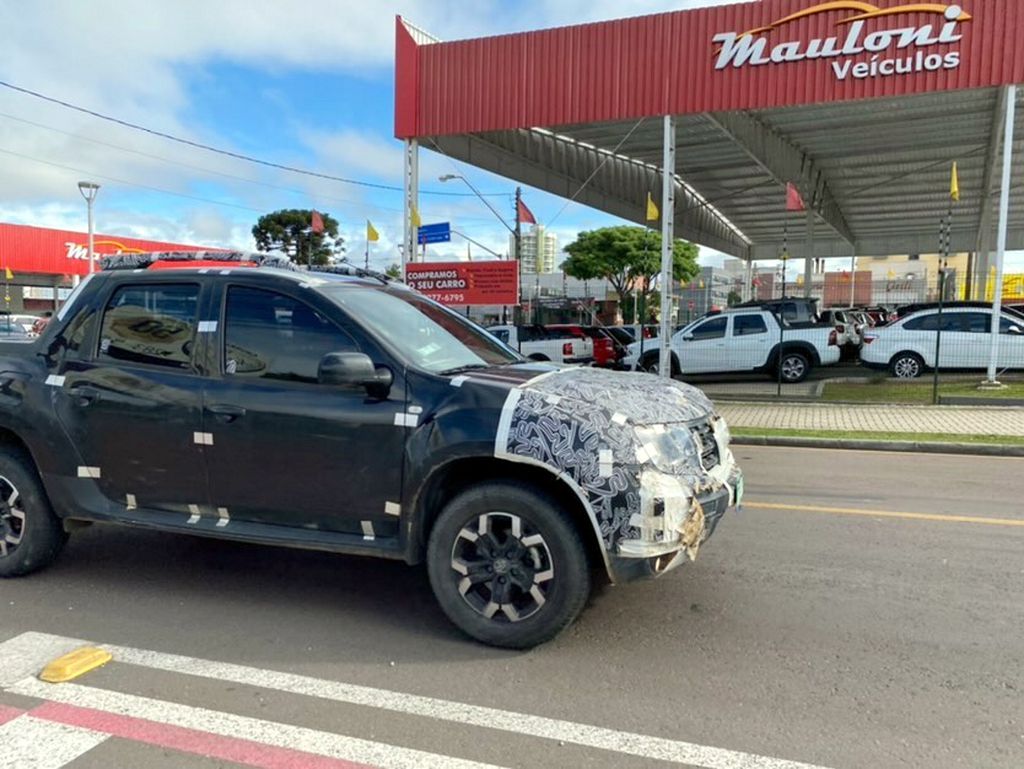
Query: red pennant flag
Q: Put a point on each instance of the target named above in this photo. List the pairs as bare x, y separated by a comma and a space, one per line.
793, 200
524, 214
316, 222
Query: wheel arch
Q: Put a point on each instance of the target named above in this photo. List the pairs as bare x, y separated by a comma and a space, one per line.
806, 348
452, 478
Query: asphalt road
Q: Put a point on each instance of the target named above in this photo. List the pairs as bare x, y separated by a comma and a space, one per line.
805, 631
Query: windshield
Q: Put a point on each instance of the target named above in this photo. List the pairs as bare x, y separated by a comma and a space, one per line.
425, 333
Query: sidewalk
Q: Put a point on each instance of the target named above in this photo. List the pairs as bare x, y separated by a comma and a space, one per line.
966, 420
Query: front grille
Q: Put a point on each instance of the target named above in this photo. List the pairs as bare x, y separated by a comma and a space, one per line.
705, 436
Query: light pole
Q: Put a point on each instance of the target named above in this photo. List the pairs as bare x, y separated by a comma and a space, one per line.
486, 202
516, 232
89, 190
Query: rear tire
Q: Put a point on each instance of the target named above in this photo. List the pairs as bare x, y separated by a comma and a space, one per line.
507, 565
906, 365
31, 535
652, 364
796, 366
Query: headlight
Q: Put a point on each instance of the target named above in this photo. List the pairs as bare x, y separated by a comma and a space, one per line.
668, 448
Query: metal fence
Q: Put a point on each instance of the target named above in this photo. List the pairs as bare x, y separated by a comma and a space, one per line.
939, 349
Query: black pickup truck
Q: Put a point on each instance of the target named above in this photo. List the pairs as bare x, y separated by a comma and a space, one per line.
210, 394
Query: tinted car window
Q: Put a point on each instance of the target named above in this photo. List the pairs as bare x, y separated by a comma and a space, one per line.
930, 322
712, 329
502, 334
272, 336
976, 322
154, 324
744, 325
1005, 324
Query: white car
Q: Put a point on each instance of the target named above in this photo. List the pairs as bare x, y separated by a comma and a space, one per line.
907, 347
740, 340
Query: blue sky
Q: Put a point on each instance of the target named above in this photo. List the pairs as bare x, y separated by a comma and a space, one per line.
309, 85
311, 88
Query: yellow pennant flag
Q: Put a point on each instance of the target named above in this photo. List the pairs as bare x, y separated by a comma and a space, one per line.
954, 184
414, 217
371, 232
7, 272
652, 210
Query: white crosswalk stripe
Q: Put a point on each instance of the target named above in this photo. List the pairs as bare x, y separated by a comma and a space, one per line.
376, 754
31, 743
16, 654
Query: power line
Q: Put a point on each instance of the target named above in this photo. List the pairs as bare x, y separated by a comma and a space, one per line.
128, 183
220, 151
119, 148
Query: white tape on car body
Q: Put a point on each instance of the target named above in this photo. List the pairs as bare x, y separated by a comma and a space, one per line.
457, 381
203, 439
368, 532
207, 326
406, 420
606, 461
194, 519
392, 508
88, 472
129, 501
55, 380
223, 517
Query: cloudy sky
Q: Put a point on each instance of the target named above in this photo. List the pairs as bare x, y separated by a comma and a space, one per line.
309, 85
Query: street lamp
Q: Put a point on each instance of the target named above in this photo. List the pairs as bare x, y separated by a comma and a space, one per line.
89, 190
516, 232
486, 202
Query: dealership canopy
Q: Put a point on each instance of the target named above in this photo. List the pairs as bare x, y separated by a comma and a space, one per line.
863, 106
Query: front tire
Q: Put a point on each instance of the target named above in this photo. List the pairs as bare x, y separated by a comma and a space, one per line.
31, 536
906, 365
507, 565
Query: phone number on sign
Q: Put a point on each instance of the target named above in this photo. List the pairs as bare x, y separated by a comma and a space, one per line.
449, 298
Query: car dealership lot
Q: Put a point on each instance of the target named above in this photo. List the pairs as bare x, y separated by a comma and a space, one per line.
805, 632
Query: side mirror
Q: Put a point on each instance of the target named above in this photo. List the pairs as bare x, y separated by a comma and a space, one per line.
353, 369
688, 337
1015, 330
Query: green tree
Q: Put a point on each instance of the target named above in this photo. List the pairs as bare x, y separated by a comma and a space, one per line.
394, 271
734, 298
627, 257
290, 230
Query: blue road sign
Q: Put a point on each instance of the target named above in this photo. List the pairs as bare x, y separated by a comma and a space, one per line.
434, 233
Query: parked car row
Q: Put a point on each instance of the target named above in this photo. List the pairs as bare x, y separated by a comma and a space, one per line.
15, 325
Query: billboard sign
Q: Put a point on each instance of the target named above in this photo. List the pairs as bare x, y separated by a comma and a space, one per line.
434, 233
462, 283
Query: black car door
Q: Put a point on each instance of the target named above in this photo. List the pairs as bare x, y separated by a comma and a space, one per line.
285, 449
131, 401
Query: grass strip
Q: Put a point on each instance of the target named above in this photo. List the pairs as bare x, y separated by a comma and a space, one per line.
996, 440
912, 392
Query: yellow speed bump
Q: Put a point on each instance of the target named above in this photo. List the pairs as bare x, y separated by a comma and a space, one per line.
75, 664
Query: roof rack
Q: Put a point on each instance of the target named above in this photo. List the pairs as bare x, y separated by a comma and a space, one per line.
145, 260
241, 258
345, 268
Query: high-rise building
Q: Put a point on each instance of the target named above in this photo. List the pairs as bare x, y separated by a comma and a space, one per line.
539, 250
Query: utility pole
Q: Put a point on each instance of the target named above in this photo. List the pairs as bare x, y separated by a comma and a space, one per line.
518, 233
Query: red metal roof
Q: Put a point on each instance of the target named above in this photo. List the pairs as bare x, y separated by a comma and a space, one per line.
666, 63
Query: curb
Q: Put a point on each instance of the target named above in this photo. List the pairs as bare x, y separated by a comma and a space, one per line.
924, 447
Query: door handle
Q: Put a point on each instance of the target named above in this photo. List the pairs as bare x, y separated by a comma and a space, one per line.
225, 412
85, 395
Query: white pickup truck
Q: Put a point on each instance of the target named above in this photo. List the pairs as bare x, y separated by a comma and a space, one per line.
539, 343
740, 340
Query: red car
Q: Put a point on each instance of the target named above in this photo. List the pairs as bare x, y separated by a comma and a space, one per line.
606, 353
